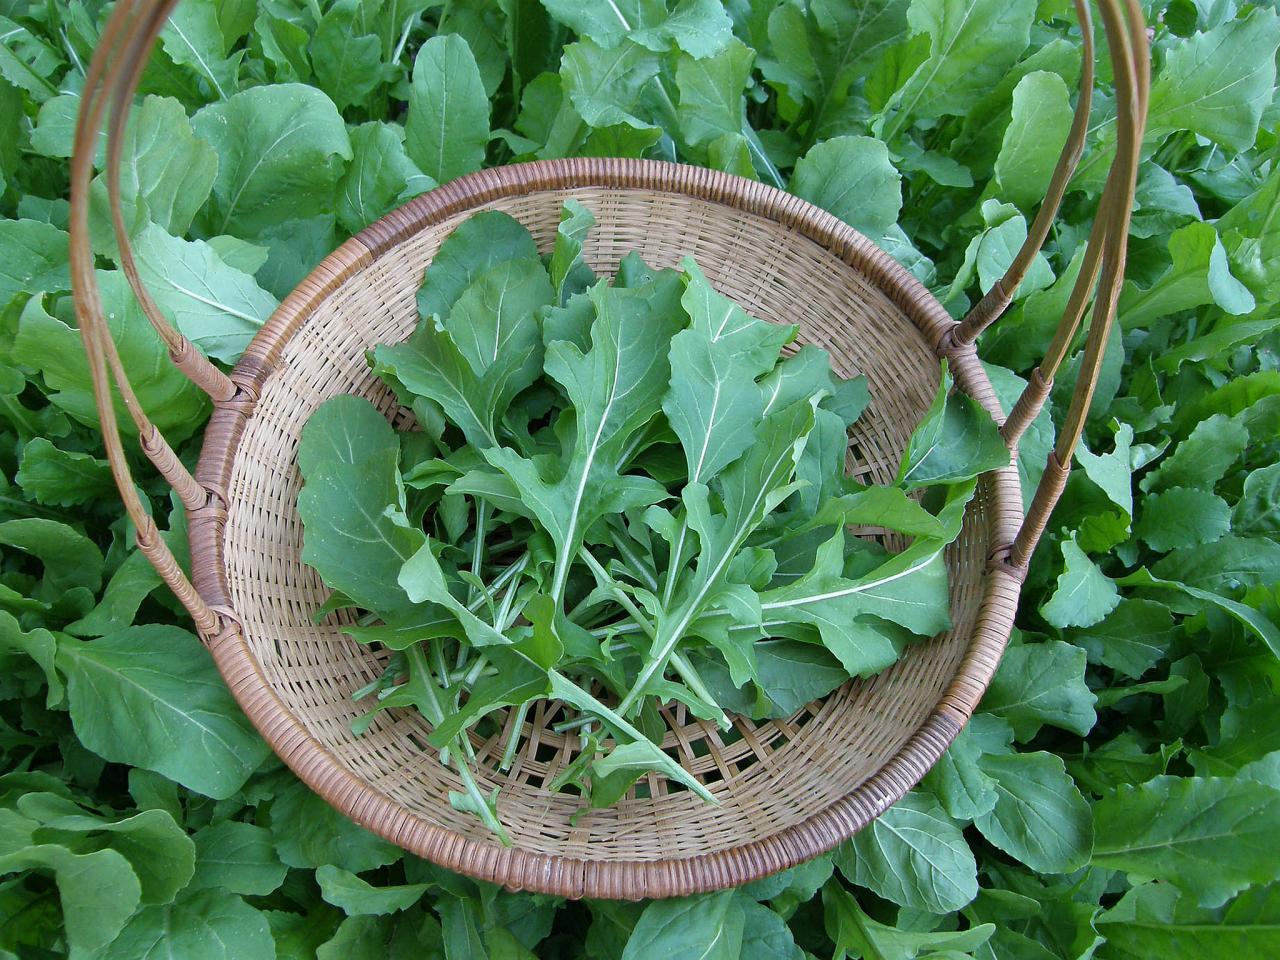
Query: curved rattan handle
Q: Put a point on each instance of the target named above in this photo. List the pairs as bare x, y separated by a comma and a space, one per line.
987, 310
111, 83
1104, 255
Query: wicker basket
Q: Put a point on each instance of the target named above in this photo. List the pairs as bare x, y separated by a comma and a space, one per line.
787, 789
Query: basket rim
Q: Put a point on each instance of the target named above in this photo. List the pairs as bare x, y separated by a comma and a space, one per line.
576, 877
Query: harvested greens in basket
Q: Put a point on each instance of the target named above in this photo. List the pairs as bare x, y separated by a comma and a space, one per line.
623, 493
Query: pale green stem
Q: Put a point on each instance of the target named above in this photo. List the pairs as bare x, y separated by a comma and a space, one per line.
404, 37
482, 802
460, 764
676, 563
682, 666
665, 645
477, 546
513, 738
636, 565
756, 148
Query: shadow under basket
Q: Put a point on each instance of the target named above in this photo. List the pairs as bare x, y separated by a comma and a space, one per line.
787, 789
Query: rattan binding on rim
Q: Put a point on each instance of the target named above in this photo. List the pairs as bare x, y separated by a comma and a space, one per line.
789, 789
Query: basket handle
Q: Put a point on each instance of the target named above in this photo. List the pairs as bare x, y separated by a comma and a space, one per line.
1104, 258
110, 81
989, 309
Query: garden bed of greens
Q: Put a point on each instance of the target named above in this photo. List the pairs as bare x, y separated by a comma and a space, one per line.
1118, 792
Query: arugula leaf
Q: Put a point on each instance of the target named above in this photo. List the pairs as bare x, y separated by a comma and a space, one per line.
792, 674
70, 559
1258, 509
857, 934
1204, 835
1183, 517
766, 934
569, 274
217, 307
349, 534
604, 84
193, 38
1112, 472
309, 834
971, 44
837, 44
1199, 274
346, 59
27, 61
236, 857
608, 22
174, 404
158, 850
853, 178
1040, 683
1039, 816
1132, 639
193, 732
356, 897
166, 173
749, 489
1218, 82
40, 646
1249, 233
479, 243
1203, 458
281, 149
615, 387
210, 924
914, 855
62, 478
98, 890
957, 779
1038, 126
380, 175
1156, 917
448, 123
710, 92
1223, 565
1084, 594
696, 928
34, 258
942, 448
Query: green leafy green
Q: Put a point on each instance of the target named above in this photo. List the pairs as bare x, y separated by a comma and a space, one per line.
280, 149
1039, 816
914, 855
557, 394
150, 696
1084, 594
1136, 704
1154, 917
1204, 835
692, 928
448, 122
853, 178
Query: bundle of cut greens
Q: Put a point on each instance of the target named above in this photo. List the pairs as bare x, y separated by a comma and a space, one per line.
622, 494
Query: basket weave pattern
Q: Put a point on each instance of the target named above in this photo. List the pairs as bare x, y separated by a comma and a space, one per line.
787, 789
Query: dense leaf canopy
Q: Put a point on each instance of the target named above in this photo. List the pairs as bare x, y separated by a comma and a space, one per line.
1118, 793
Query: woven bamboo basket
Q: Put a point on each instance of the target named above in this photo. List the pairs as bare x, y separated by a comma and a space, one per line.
787, 789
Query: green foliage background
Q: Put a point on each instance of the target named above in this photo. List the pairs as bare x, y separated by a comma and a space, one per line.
1117, 795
